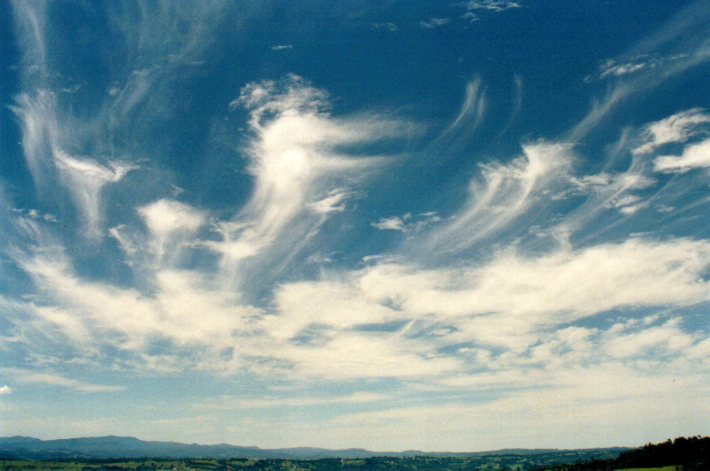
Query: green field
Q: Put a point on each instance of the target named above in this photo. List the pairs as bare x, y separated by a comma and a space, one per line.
663, 468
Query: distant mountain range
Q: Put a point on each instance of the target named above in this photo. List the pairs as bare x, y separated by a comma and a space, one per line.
111, 447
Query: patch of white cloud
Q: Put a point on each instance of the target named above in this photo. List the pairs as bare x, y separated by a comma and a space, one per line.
623, 69
407, 222
386, 26
85, 178
491, 6
281, 47
36, 214
627, 204
600, 109
472, 112
506, 298
334, 201
53, 379
639, 64
166, 217
169, 222
183, 309
603, 402
82, 177
611, 68
125, 241
5, 390
693, 156
682, 40
506, 303
38, 132
319, 258
166, 32
676, 128
596, 373
31, 24
626, 340
434, 23
394, 223
357, 355
624, 192
143, 91
301, 171
77, 149
504, 193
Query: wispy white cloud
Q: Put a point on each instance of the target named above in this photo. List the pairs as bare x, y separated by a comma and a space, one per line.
678, 38
295, 402
36, 214
676, 128
394, 223
298, 165
38, 132
53, 379
281, 47
434, 23
503, 194
66, 142
408, 222
172, 33
622, 69
85, 178
610, 68
334, 201
125, 242
170, 223
599, 110
494, 6
352, 355
31, 24
92, 314
44, 141
693, 156
472, 112
386, 26
506, 303
601, 397
641, 63
626, 339
494, 301
5, 390
565, 370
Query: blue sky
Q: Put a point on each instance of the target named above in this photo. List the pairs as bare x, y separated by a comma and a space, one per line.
393, 225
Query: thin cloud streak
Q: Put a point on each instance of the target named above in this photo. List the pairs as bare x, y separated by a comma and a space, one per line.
503, 194
296, 165
52, 379
680, 37
471, 114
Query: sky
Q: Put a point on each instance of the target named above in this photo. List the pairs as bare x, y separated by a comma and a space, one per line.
433, 225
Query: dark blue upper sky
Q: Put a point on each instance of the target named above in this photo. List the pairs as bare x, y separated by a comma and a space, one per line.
435, 225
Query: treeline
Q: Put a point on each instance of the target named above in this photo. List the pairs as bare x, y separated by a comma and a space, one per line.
693, 453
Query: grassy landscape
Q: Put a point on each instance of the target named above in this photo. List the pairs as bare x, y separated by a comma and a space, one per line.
692, 453
493, 462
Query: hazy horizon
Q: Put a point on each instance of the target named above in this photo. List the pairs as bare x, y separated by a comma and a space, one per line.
462, 226
238, 445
